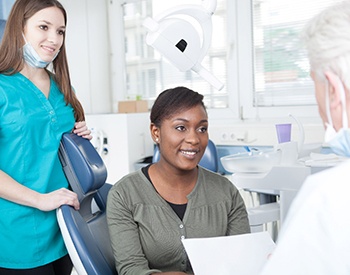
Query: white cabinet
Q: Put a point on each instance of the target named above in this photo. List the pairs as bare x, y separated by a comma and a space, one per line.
128, 140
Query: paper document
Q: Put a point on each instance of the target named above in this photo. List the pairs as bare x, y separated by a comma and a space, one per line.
231, 255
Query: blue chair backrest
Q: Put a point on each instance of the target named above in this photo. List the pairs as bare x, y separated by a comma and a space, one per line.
85, 231
210, 159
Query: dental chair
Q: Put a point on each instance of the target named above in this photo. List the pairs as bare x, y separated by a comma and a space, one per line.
209, 160
85, 231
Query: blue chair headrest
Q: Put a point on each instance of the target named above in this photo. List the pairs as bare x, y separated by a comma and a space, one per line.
83, 166
210, 159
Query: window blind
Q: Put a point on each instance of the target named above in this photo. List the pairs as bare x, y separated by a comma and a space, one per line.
281, 68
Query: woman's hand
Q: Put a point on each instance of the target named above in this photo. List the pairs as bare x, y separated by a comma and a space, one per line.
82, 130
13, 191
53, 200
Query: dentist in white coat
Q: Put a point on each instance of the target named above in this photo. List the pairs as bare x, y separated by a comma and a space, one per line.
315, 239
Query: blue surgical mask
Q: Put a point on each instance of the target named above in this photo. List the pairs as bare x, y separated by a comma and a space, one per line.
339, 141
32, 57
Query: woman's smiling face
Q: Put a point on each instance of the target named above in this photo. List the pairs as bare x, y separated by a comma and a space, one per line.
183, 137
45, 32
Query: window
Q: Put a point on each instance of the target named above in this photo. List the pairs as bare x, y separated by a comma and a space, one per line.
148, 73
255, 52
281, 69
272, 62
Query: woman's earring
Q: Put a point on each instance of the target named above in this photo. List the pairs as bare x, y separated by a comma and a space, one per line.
157, 140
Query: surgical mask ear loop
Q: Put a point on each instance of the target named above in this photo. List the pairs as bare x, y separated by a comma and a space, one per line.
343, 102
25, 40
328, 107
330, 131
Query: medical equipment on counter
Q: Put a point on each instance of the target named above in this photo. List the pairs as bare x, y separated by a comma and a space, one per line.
99, 141
289, 152
177, 39
276, 171
284, 181
284, 131
255, 161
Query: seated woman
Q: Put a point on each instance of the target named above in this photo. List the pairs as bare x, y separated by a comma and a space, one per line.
151, 210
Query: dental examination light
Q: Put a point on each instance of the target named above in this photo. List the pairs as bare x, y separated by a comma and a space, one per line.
178, 40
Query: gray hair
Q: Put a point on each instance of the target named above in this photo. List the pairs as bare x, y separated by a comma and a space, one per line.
327, 41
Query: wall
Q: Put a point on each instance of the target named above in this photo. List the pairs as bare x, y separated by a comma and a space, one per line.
88, 53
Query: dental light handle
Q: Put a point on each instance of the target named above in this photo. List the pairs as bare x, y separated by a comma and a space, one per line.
203, 11
209, 5
204, 73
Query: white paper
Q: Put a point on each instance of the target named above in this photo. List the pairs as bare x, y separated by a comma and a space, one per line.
231, 255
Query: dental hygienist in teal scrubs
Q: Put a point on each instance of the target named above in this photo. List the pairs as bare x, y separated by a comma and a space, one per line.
37, 106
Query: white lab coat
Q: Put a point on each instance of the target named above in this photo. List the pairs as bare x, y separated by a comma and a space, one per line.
315, 238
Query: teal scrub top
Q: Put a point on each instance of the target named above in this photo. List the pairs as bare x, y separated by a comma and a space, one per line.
31, 127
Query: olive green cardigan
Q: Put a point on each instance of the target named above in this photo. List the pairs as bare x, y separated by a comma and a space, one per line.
146, 233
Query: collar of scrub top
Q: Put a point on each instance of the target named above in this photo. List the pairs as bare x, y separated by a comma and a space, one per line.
178, 40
